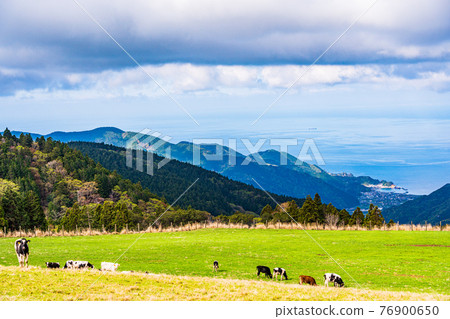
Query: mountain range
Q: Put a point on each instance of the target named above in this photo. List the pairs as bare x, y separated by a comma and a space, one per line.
295, 179
432, 208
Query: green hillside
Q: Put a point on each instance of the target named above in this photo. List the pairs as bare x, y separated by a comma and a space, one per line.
45, 183
213, 192
433, 208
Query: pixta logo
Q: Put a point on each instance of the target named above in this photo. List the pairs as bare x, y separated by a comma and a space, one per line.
141, 147
151, 142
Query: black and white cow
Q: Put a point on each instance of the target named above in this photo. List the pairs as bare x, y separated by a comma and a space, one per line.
52, 265
334, 278
215, 265
77, 264
281, 272
22, 251
265, 270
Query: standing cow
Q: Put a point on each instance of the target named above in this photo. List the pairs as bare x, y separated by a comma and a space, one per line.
307, 280
334, 278
281, 272
216, 265
265, 270
22, 251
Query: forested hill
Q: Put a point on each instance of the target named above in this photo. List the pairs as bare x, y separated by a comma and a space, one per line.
213, 192
46, 183
432, 208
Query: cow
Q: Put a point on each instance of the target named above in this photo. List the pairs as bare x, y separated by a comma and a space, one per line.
51, 265
334, 278
279, 271
71, 264
265, 270
307, 280
105, 266
22, 251
216, 265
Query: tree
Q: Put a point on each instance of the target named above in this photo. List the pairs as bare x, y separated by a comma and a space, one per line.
344, 216
317, 200
266, 214
308, 212
3, 222
7, 134
122, 215
293, 211
374, 217
357, 217
32, 209
391, 223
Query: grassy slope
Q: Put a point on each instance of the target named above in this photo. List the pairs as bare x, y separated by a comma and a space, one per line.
393, 261
43, 284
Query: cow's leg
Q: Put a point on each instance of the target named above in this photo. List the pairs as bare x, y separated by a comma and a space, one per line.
282, 274
18, 258
326, 282
26, 260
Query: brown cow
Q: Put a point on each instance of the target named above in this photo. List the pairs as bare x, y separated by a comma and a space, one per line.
307, 280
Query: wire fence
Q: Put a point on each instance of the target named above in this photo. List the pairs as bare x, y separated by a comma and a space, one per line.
209, 225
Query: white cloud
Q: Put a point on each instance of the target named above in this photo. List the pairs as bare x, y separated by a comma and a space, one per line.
241, 80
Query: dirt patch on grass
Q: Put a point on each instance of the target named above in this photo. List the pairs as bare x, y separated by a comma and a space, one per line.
430, 245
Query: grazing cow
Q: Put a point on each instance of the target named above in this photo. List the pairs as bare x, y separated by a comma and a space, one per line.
52, 265
307, 280
281, 272
216, 265
334, 278
105, 266
70, 264
22, 251
265, 270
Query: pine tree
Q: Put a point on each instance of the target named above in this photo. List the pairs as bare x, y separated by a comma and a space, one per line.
308, 212
374, 217
266, 213
357, 217
344, 216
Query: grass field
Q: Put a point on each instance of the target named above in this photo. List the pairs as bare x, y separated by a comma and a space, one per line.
417, 262
43, 284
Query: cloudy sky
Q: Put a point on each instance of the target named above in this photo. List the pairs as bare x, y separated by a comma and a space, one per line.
380, 94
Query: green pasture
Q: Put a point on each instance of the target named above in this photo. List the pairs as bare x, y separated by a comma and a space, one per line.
380, 260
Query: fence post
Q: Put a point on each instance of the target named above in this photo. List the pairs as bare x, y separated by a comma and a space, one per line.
384, 225
370, 225
90, 233
398, 225
20, 231
126, 228
138, 228
63, 230
426, 226
4, 231
440, 225
411, 227
103, 228
115, 228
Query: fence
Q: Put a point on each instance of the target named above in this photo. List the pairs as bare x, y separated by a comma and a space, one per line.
195, 226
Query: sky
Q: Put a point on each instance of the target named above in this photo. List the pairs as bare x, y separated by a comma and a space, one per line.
369, 81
